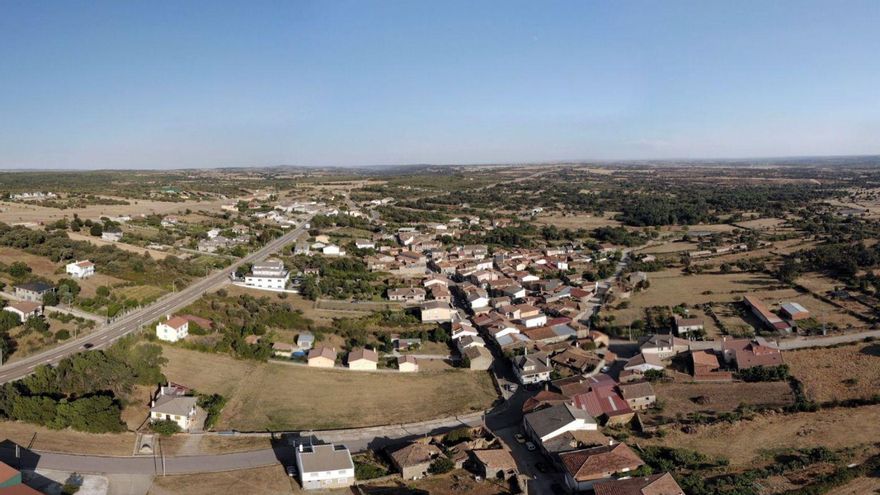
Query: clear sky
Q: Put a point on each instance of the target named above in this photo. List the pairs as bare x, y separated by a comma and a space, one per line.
112, 84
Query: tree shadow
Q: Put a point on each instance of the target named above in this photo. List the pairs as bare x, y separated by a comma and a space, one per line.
871, 350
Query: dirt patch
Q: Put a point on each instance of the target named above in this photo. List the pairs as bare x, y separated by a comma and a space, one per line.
269, 481
846, 372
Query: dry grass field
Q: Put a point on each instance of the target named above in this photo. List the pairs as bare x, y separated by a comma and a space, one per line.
581, 221
679, 398
860, 486
670, 247
40, 266
828, 373
139, 292
268, 480
21, 212
672, 287
743, 441
454, 482
97, 241
67, 440
279, 396
762, 223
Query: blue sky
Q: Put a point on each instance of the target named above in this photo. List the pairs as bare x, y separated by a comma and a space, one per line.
109, 84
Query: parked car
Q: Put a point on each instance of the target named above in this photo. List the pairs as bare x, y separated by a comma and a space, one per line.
520, 438
531, 447
542, 467
291, 471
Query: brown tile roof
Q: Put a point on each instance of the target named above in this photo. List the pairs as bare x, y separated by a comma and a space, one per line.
636, 390
366, 354
25, 306
499, 459
658, 484
322, 351
599, 462
414, 454
176, 321
705, 358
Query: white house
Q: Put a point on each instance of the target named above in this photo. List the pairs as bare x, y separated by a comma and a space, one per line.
688, 325
24, 309
269, 274
364, 244
332, 250
324, 466
112, 236
172, 329
535, 321
407, 364
171, 404
478, 301
80, 269
532, 368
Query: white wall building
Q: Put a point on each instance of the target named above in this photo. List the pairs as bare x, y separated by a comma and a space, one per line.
173, 329
80, 269
269, 274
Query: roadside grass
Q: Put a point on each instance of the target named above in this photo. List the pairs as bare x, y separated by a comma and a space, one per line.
67, 440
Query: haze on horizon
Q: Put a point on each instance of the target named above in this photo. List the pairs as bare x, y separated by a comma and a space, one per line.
218, 84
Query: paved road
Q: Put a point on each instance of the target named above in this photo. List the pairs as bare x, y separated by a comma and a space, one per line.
145, 464
357, 440
136, 319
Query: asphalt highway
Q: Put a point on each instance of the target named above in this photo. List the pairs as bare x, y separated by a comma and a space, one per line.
134, 320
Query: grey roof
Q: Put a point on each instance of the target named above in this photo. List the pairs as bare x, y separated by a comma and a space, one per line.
548, 420
175, 405
323, 458
35, 286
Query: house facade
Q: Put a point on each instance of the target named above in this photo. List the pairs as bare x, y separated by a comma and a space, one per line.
33, 291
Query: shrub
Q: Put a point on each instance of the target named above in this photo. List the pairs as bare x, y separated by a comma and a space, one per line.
165, 427
441, 465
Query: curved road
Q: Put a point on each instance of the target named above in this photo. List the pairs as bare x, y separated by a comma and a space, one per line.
130, 322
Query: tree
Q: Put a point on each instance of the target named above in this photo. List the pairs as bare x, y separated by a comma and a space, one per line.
96, 230
19, 269
50, 298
